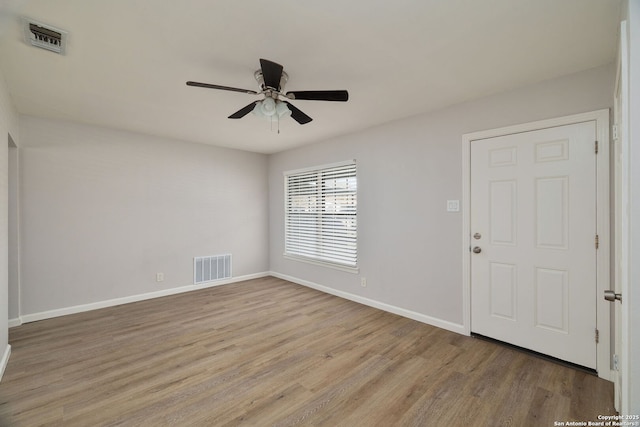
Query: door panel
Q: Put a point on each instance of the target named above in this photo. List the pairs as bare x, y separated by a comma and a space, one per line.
552, 213
502, 212
552, 299
533, 217
502, 281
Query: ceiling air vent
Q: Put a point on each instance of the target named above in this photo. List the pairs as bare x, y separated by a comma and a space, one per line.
45, 36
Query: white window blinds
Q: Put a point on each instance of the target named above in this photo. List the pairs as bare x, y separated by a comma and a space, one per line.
320, 214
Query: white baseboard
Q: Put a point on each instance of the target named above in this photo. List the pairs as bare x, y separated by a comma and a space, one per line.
443, 324
5, 360
26, 318
34, 317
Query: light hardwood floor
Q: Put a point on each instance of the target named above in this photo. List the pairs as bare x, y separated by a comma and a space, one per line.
268, 352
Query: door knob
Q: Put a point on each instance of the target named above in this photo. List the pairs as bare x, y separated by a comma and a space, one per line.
477, 250
612, 296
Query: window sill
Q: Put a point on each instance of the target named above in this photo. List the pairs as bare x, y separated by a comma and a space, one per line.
353, 270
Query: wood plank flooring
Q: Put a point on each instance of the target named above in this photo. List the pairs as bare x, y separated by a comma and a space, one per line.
267, 352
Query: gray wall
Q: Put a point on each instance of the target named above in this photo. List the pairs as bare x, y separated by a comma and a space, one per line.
102, 211
8, 127
14, 235
409, 247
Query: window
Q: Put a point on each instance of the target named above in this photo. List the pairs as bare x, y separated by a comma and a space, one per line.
320, 215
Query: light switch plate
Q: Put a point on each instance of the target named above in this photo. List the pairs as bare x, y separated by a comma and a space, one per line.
453, 205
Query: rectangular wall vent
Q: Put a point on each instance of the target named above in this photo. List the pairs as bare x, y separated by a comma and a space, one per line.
210, 268
45, 36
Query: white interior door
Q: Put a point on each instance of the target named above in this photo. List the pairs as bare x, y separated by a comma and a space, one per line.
533, 221
621, 221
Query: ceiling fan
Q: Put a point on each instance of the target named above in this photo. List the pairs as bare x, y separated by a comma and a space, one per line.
271, 80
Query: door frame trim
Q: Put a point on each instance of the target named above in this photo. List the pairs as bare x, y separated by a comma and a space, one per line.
621, 189
603, 309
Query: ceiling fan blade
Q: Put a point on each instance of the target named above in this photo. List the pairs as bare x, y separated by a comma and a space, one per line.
298, 115
232, 89
320, 95
243, 111
271, 73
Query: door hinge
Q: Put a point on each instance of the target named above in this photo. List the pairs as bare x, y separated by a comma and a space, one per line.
596, 147
616, 362
597, 336
615, 132
597, 241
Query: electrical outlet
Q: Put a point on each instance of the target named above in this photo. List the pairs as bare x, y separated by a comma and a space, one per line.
363, 282
159, 277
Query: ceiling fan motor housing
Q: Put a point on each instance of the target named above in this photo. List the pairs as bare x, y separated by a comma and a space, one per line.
284, 78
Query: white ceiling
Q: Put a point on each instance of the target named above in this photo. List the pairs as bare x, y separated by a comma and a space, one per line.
127, 61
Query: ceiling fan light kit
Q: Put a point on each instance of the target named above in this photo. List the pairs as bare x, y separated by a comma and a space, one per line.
269, 108
271, 80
